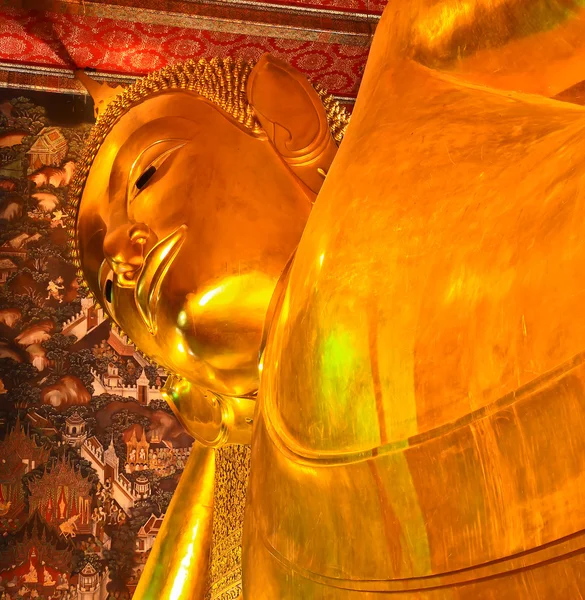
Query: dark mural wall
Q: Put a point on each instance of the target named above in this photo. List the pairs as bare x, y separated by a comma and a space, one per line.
89, 452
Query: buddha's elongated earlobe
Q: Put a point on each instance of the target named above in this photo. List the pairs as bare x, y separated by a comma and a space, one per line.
292, 115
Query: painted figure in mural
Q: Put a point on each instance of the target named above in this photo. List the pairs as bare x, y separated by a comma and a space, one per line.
58, 219
32, 575
54, 289
47, 578
63, 583
69, 527
419, 424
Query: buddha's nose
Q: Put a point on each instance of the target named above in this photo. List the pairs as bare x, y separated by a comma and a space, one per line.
125, 248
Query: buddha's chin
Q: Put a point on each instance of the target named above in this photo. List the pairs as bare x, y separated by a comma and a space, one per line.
210, 352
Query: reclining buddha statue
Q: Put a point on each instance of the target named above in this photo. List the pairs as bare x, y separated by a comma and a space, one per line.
394, 327
191, 197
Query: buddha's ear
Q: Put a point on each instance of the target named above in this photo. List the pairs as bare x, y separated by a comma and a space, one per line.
293, 117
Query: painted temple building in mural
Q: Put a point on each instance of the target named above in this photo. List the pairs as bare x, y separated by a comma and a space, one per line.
38, 558
147, 533
62, 496
50, 148
164, 457
20, 453
7, 268
75, 430
106, 463
86, 322
91, 584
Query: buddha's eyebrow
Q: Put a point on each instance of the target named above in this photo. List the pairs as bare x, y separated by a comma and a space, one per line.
98, 233
128, 157
94, 247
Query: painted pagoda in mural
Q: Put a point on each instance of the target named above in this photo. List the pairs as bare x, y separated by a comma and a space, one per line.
49, 148
20, 453
62, 495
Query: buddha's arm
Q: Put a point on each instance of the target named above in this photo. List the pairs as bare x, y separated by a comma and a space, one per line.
177, 567
532, 46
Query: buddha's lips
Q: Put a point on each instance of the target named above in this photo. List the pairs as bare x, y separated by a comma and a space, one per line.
156, 266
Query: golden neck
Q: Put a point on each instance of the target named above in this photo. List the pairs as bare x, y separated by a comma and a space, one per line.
212, 419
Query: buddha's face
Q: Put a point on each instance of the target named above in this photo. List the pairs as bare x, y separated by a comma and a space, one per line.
185, 225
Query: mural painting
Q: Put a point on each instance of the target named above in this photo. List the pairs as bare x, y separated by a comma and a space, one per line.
90, 454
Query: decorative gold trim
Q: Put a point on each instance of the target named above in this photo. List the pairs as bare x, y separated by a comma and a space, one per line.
229, 503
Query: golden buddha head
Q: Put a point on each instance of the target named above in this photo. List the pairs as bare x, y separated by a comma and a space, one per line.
193, 193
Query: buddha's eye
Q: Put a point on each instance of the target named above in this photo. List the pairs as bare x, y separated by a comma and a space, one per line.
157, 154
145, 177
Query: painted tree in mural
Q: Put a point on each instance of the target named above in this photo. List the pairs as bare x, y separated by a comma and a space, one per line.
73, 511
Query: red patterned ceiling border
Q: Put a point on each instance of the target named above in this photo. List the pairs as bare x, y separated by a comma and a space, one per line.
50, 79
226, 16
50, 40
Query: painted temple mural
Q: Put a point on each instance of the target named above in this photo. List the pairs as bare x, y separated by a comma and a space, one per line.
90, 454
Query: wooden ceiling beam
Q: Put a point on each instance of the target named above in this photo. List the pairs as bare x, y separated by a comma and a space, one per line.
61, 80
